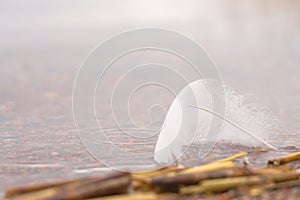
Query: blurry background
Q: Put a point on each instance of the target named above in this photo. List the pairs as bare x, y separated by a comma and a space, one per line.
255, 44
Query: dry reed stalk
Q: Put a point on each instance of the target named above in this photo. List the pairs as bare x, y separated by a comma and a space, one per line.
116, 183
234, 157
32, 188
289, 176
142, 180
135, 196
145, 176
221, 185
284, 159
270, 171
172, 184
211, 167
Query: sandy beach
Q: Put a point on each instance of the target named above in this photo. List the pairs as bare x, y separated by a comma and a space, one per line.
255, 45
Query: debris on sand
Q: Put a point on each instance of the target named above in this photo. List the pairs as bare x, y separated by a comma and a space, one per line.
221, 179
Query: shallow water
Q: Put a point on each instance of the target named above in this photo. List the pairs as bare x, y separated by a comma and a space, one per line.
255, 45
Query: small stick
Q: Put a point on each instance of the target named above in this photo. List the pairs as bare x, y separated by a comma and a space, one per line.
284, 159
276, 186
32, 188
194, 178
36, 187
116, 183
209, 167
142, 181
136, 196
221, 185
234, 157
140, 185
172, 184
159, 172
269, 171
289, 176
287, 184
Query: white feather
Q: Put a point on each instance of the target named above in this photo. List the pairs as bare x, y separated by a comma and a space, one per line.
191, 113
